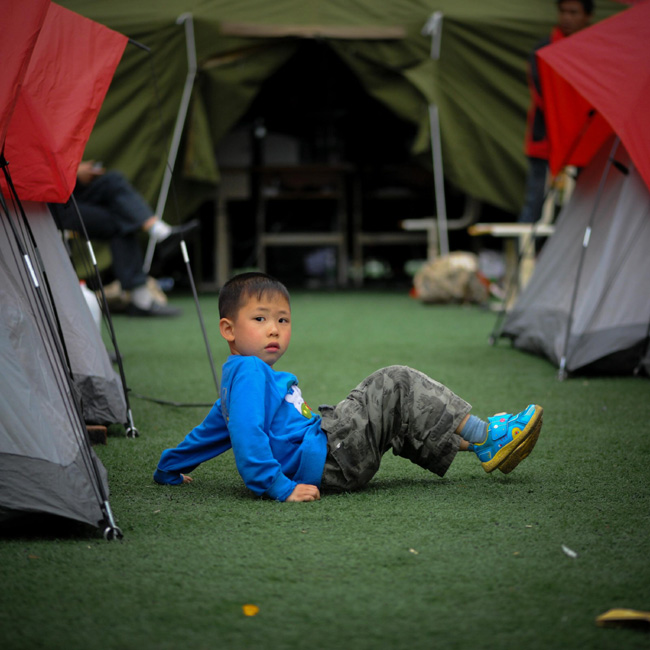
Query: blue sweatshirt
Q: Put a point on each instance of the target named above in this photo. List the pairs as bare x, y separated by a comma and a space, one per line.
276, 439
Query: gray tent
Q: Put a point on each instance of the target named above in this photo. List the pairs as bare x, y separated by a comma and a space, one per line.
587, 305
46, 462
100, 388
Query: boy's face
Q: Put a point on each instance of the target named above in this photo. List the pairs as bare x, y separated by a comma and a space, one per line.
262, 328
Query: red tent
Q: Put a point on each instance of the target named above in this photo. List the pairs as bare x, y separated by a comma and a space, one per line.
598, 81
22, 25
65, 68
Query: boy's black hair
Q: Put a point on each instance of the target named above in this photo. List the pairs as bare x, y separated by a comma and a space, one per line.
245, 285
587, 5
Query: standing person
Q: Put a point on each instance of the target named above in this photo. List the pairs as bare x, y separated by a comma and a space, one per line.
114, 211
573, 15
286, 452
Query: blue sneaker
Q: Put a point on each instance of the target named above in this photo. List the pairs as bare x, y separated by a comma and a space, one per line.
510, 439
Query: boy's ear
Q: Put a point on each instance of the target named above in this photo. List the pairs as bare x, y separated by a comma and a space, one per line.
227, 329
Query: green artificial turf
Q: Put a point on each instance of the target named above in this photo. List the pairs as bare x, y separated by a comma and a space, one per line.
413, 561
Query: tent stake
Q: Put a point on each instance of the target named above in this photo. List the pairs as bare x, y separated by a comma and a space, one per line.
112, 531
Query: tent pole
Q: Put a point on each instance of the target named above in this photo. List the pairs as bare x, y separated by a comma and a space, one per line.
131, 430
34, 269
439, 179
186, 20
40, 265
186, 259
433, 28
562, 372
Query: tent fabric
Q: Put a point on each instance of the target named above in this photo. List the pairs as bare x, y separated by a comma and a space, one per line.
611, 318
21, 23
46, 463
478, 83
68, 74
99, 386
606, 67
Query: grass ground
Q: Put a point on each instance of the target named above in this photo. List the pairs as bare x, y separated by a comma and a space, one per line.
413, 561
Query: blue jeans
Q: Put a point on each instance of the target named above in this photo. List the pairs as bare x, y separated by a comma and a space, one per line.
113, 211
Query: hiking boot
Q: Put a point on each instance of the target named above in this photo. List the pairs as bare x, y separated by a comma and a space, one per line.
510, 439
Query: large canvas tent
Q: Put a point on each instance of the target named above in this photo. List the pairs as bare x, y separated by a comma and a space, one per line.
587, 305
478, 83
53, 60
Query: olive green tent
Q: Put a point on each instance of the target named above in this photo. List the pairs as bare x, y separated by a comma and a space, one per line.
478, 83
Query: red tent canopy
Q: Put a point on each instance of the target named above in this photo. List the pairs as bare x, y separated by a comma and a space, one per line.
72, 62
598, 81
21, 23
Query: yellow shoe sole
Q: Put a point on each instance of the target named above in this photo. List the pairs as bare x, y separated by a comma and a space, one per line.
522, 451
515, 451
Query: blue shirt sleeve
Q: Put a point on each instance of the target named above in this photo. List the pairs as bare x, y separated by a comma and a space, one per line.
246, 404
207, 440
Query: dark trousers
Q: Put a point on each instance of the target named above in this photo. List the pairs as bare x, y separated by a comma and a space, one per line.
113, 211
535, 192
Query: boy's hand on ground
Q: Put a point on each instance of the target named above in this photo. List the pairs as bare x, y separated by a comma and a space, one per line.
304, 492
186, 478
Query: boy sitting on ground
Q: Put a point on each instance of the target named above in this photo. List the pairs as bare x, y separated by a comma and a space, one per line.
285, 451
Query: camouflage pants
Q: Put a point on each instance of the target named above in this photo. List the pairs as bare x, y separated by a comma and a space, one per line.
395, 408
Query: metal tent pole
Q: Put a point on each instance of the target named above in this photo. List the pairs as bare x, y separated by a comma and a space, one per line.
433, 28
130, 428
167, 185
186, 20
562, 372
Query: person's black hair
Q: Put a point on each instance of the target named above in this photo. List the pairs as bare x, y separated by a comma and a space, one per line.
587, 5
245, 285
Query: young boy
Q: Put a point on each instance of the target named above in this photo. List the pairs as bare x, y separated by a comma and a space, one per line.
285, 451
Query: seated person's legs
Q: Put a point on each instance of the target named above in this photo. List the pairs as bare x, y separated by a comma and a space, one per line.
129, 211
113, 193
126, 252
